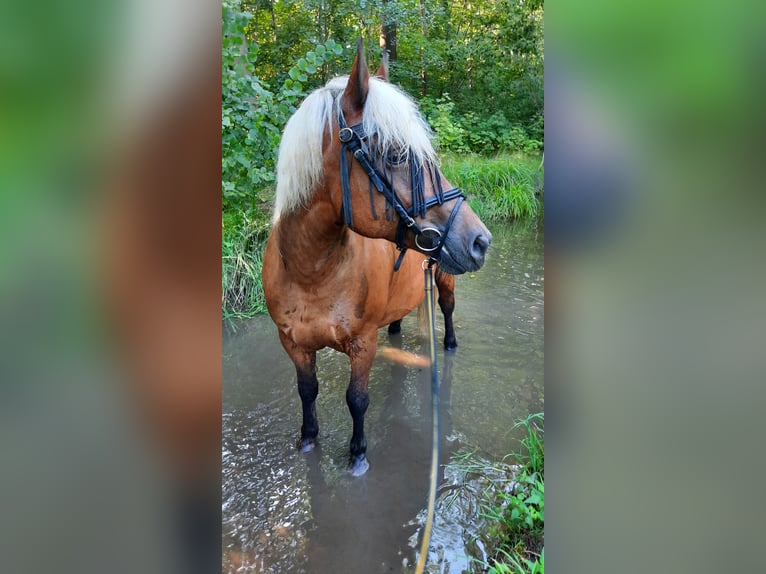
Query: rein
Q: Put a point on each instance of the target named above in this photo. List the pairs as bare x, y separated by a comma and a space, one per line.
428, 239
435, 404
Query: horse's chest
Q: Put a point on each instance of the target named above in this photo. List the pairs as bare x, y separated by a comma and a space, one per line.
320, 323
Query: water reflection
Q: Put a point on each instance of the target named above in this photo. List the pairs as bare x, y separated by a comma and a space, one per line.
288, 512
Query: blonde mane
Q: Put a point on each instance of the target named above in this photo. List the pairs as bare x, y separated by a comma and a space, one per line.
389, 113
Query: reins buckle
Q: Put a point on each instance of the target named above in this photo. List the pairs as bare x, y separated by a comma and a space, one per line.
346, 134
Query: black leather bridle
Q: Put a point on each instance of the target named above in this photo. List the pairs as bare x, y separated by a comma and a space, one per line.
428, 239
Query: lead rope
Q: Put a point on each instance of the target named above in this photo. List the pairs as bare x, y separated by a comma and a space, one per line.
427, 270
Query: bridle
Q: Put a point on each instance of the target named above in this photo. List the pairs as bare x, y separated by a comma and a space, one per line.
428, 239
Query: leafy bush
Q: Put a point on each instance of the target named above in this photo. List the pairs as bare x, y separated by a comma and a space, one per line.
486, 135
537, 129
252, 115
470, 132
450, 134
248, 131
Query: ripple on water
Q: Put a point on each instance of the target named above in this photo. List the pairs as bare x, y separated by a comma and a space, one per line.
265, 502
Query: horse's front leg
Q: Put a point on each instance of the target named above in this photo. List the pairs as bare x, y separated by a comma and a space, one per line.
446, 284
361, 351
308, 389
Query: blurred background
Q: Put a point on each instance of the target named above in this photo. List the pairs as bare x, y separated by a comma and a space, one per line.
110, 293
109, 286
654, 371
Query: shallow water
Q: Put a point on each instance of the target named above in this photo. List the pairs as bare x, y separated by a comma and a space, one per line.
284, 511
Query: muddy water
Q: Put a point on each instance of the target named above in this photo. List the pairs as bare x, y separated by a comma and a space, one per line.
287, 512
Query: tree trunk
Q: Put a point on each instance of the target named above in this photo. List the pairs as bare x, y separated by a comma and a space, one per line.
388, 31
424, 29
273, 22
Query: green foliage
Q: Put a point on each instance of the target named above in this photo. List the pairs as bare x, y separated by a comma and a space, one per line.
499, 188
243, 240
513, 564
247, 131
517, 517
487, 55
450, 135
252, 115
471, 132
534, 459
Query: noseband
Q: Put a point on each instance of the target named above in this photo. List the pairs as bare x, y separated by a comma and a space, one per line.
428, 239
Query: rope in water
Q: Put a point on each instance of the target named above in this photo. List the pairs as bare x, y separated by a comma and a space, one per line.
427, 269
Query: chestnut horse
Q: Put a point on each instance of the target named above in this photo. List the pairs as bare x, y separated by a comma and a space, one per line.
346, 199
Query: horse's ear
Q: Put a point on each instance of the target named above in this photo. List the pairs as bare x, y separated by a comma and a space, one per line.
358, 82
382, 71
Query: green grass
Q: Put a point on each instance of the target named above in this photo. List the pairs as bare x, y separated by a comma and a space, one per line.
533, 456
243, 241
499, 188
514, 511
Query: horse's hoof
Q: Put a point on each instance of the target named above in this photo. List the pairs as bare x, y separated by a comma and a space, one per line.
358, 465
307, 444
450, 344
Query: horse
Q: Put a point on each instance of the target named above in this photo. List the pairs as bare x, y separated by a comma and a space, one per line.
357, 181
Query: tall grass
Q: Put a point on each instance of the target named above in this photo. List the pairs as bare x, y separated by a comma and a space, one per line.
243, 241
534, 444
499, 188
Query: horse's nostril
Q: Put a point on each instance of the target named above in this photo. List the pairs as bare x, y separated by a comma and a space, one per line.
480, 244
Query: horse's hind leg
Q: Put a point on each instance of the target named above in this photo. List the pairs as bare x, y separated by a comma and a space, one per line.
308, 389
361, 351
446, 284
395, 327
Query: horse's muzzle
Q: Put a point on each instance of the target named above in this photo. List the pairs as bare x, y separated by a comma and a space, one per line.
479, 246
458, 257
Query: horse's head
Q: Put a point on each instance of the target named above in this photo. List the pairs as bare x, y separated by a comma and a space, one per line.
380, 169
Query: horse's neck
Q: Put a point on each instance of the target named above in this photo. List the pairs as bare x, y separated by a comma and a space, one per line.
311, 242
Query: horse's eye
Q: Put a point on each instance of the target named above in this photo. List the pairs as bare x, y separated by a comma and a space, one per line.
395, 157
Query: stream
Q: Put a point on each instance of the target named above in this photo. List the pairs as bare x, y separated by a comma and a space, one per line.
287, 512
